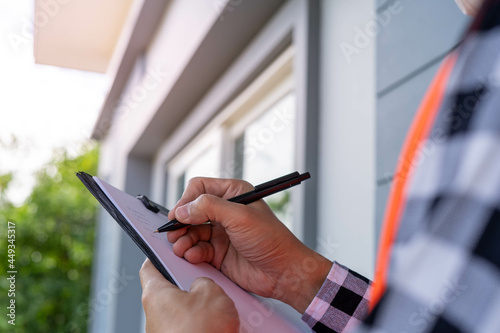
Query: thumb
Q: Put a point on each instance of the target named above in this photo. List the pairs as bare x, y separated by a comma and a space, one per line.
211, 208
207, 287
152, 278
203, 284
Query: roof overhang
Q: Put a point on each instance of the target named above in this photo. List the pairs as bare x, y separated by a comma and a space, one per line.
79, 34
139, 30
236, 31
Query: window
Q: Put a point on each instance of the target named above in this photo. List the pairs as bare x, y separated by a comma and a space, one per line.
265, 150
199, 159
252, 138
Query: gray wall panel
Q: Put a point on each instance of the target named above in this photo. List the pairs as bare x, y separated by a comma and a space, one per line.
128, 316
382, 194
395, 112
380, 3
409, 50
421, 31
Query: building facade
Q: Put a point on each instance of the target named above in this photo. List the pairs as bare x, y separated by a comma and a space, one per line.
254, 90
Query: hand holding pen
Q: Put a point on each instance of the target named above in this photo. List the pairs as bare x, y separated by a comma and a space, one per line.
259, 192
247, 243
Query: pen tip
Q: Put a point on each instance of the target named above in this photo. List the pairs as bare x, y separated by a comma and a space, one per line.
156, 231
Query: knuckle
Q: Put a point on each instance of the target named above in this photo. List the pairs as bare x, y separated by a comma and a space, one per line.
203, 285
142, 271
146, 296
205, 200
204, 282
243, 185
193, 182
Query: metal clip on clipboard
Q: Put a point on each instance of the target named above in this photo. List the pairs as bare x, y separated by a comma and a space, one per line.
153, 206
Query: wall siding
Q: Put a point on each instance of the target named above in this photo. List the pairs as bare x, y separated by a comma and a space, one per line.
419, 32
409, 51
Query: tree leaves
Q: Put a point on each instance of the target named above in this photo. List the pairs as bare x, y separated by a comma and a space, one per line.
55, 230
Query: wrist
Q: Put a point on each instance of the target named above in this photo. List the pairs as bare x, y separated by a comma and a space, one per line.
299, 284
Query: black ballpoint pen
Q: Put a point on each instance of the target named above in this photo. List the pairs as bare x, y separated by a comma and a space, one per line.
259, 192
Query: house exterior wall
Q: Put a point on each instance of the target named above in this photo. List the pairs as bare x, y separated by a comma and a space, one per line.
115, 302
347, 132
407, 59
353, 112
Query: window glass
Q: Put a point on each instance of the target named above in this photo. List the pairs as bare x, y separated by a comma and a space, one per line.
266, 150
204, 165
252, 138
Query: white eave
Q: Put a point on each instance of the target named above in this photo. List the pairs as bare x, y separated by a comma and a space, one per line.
79, 34
136, 35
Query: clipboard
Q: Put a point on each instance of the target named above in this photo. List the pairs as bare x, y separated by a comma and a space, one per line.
139, 218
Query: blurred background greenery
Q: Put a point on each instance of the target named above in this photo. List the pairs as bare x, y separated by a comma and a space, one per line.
55, 229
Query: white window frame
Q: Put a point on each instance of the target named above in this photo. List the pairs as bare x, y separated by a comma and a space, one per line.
264, 92
289, 26
274, 83
191, 152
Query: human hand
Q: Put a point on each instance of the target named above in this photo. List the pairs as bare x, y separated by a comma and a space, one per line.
205, 308
246, 242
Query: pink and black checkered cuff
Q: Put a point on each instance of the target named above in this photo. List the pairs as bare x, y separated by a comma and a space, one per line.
341, 303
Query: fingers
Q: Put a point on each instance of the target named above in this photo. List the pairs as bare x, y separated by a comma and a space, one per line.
196, 233
206, 286
202, 243
190, 238
150, 275
173, 236
201, 252
207, 291
152, 282
223, 188
206, 307
211, 208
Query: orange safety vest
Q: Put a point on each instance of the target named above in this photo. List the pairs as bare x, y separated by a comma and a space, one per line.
418, 133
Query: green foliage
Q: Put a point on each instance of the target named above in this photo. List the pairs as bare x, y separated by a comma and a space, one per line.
54, 234
4, 184
279, 203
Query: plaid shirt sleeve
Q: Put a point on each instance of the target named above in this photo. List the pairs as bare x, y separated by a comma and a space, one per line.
341, 303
